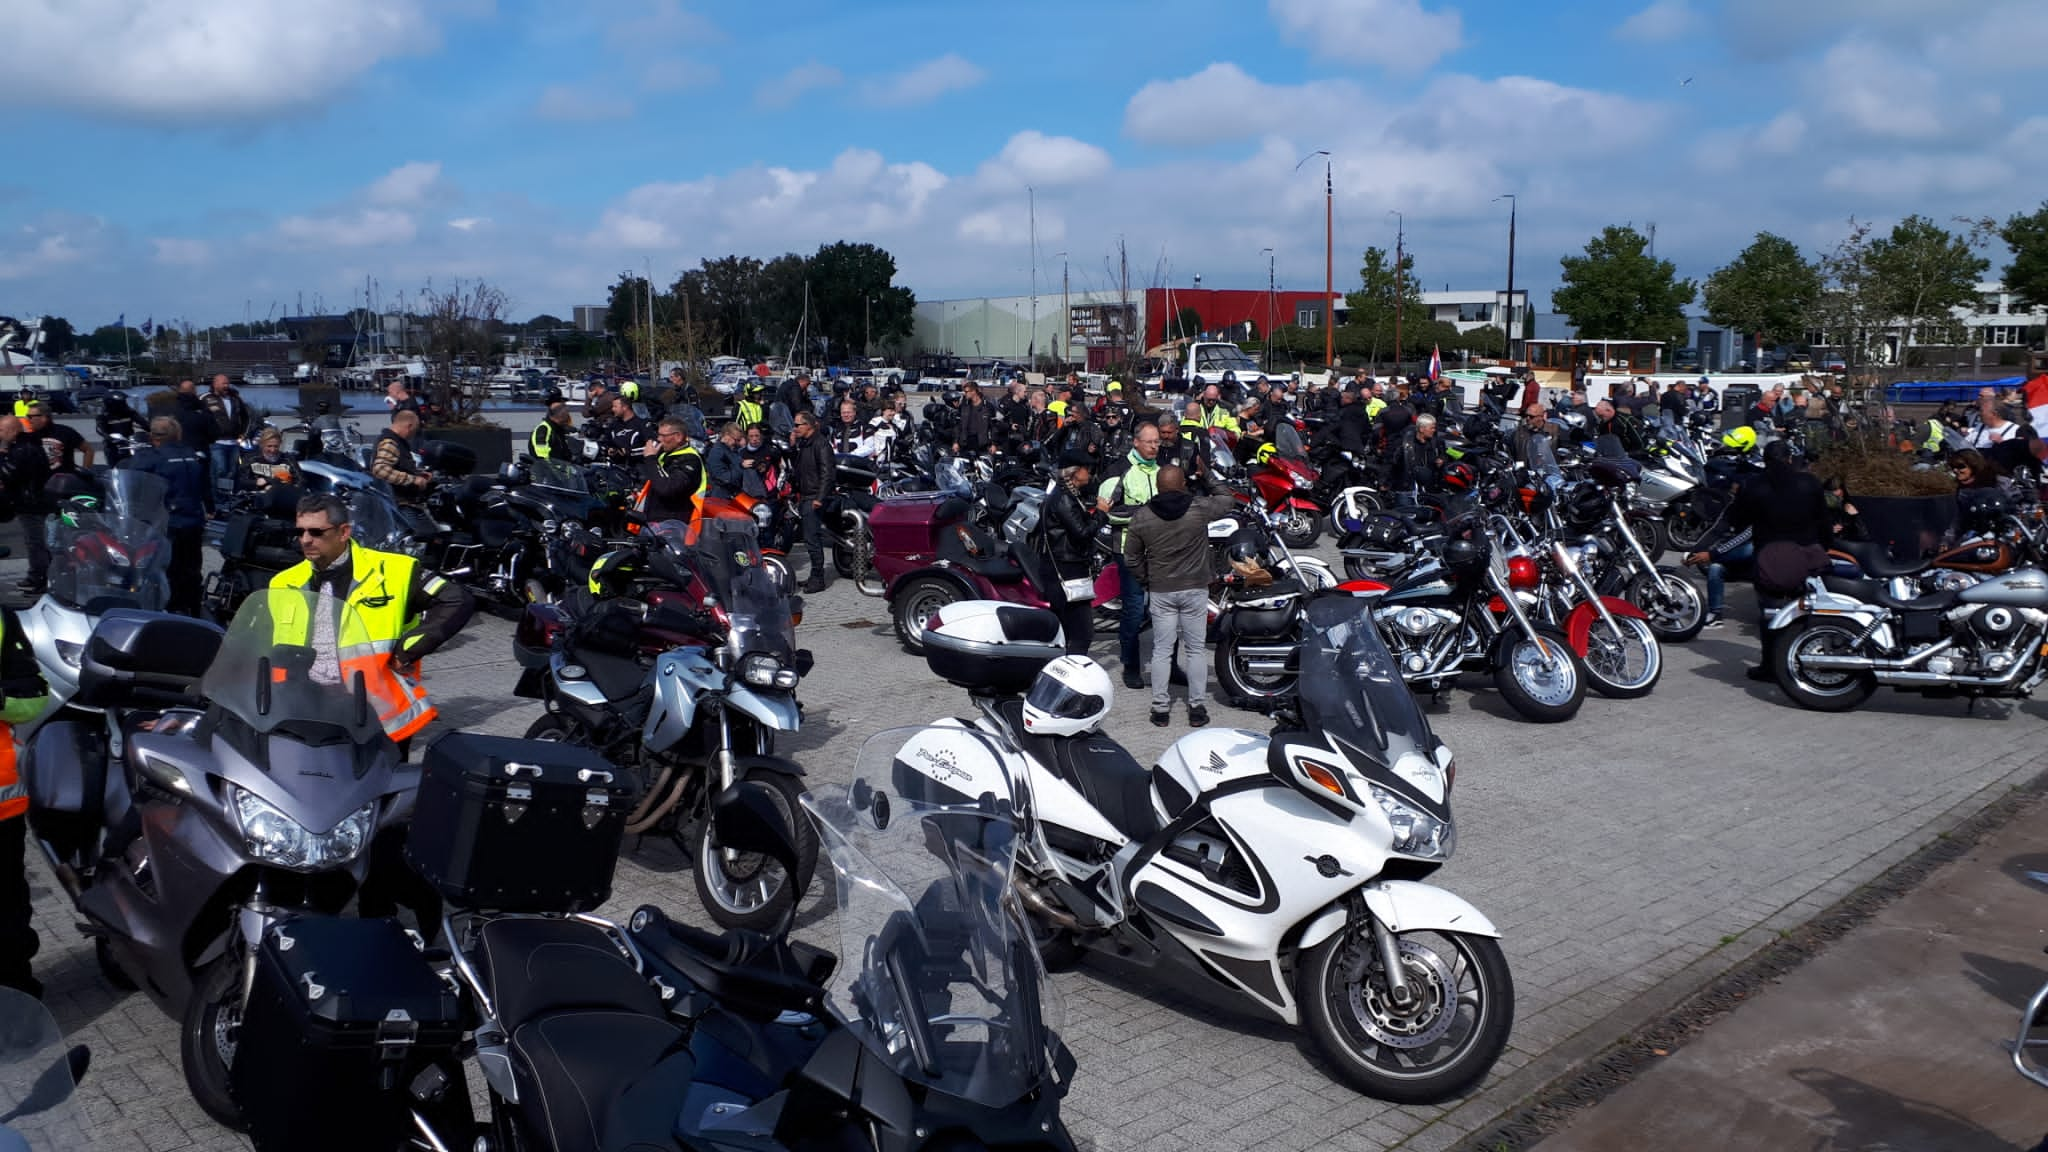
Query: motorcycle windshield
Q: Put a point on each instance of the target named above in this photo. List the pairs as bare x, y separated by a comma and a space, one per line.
1219, 450
292, 655
953, 477
374, 524
36, 1089
727, 557
938, 974
1351, 689
558, 475
111, 551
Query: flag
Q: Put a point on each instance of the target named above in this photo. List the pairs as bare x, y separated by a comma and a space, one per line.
149, 327
1436, 363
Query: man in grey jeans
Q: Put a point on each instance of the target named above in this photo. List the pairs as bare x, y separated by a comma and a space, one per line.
1167, 550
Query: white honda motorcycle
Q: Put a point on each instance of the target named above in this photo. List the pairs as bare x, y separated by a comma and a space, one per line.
1286, 868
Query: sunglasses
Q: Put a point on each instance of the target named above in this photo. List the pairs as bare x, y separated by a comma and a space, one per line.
319, 533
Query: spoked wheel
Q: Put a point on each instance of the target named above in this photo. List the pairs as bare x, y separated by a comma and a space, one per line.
1256, 671
1623, 666
1438, 1042
207, 1037
745, 890
1541, 678
1651, 534
1674, 604
1821, 689
915, 604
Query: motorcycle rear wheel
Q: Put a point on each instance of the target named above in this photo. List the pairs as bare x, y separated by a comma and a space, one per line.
1624, 667
1821, 691
1421, 1054
915, 604
1540, 690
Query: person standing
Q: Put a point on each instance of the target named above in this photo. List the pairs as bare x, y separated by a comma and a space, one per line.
627, 435
23, 694
977, 423
1783, 515
1167, 551
230, 423
1120, 497
813, 471
597, 405
1071, 522
393, 460
188, 499
549, 439
61, 447
25, 470
675, 490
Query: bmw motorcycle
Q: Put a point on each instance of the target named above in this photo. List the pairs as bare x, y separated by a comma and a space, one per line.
695, 719
226, 782
1286, 867
1844, 638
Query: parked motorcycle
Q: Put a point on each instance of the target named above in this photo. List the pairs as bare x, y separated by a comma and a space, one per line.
1844, 638
695, 720
1198, 865
231, 780
38, 1078
964, 542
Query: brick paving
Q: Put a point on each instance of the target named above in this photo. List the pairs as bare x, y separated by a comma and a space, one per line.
1627, 856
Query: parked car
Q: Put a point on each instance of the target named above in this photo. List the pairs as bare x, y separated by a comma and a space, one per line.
1833, 362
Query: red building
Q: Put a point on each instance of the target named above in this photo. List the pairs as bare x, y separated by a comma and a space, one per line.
1225, 309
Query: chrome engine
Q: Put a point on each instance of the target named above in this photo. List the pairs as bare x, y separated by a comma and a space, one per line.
1423, 640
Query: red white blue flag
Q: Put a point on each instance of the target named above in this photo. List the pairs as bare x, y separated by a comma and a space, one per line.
1436, 363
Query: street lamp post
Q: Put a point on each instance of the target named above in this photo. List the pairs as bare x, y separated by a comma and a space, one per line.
1329, 257
1266, 349
1509, 325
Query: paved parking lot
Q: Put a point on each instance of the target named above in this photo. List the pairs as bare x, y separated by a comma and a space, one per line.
1627, 857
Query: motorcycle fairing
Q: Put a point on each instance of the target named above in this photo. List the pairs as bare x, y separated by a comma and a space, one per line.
772, 710
679, 677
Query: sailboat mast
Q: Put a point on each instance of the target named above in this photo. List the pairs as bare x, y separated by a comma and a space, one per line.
1031, 346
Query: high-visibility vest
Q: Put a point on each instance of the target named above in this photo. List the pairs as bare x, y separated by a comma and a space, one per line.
539, 440
696, 498
380, 616
21, 409
1216, 417
749, 413
17, 710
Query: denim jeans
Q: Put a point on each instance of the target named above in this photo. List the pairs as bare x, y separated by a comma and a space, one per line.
1717, 577
222, 455
1133, 620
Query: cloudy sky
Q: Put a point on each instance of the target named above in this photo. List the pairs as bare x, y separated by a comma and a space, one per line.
196, 158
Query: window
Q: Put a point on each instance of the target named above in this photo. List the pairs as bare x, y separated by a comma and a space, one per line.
1991, 304
2004, 335
1306, 317
1475, 313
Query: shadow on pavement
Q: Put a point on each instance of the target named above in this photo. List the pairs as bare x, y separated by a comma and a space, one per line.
2011, 982
1867, 1117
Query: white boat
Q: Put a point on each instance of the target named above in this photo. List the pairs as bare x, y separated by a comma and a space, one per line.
259, 377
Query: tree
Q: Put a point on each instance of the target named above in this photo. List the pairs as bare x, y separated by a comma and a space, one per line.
2026, 276
1486, 340
545, 323
732, 288
1922, 271
855, 300
59, 340
1617, 291
780, 297
1384, 293
112, 340
459, 322
625, 314
1187, 323
1768, 291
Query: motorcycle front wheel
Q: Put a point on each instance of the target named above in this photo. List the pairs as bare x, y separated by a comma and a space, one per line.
1674, 604
1626, 666
749, 891
1541, 678
1688, 523
1254, 672
1302, 528
207, 1036
1438, 1044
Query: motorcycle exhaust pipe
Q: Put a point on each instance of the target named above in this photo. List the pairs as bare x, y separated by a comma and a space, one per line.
1036, 904
1938, 679
1866, 664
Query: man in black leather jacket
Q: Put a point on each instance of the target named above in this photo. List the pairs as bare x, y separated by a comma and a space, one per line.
812, 470
1069, 525
1417, 457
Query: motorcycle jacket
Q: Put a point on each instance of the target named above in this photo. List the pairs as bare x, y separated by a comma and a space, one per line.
677, 488
548, 441
22, 697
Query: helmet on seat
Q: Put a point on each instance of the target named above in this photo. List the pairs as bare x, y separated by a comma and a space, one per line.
1071, 695
1460, 477
613, 573
1265, 453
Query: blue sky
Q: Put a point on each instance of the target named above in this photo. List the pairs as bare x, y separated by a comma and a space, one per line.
187, 158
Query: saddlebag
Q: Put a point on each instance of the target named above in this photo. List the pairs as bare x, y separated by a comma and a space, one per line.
344, 1018
1262, 623
992, 647
510, 825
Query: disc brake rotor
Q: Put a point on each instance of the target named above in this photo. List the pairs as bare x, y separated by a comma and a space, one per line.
1429, 1013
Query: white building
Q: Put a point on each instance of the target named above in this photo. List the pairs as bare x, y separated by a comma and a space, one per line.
1466, 309
1014, 328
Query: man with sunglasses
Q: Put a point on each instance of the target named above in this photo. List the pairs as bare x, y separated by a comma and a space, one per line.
406, 610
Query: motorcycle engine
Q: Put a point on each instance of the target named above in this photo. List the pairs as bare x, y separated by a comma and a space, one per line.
1995, 625
1414, 633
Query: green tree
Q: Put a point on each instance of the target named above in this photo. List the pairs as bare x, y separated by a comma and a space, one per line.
59, 339
732, 300
112, 340
1486, 340
2026, 275
1384, 292
780, 297
855, 299
1187, 323
1921, 271
1618, 291
1768, 291
545, 323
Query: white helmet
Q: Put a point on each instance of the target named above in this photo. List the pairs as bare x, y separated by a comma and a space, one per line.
1071, 695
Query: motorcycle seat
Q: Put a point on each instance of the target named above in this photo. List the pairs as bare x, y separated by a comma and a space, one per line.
1879, 592
1876, 560
536, 966
617, 676
1097, 767
602, 1078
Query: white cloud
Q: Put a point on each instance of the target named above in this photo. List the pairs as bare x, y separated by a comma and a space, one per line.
1035, 159
1874, 91
469, 223
1660, 23
405, 184
1914, 177
1397, 35
924, 83
363, 228
654, 25
34, 251
1223, 103
175, 250
676, 74
174, 61
568, 104
790, 87
773, 209
1560, 121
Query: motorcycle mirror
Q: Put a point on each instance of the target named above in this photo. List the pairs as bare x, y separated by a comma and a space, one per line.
54, 1086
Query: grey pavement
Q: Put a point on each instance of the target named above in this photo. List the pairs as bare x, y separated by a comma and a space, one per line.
1896, 1037
1627, 856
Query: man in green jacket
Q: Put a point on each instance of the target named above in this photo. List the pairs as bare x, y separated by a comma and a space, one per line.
1122, 495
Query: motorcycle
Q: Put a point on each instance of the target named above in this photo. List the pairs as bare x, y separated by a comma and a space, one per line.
38, 1078
1286, 487
964, 542
1835, 645
231, 780
693, 721
1198, 865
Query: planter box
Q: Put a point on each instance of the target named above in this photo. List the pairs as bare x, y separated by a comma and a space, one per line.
312, 396
492, 443
1909, 526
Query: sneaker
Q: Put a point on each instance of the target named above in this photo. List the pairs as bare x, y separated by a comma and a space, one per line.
1713, 620
1197, 716
1132, 680
1161, 717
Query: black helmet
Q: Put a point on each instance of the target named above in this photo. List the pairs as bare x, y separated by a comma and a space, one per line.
1243, 552
1464, 553
1583, 506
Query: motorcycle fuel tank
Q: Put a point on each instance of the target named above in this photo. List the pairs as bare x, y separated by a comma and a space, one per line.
2021, 588
950, 764
1201, 761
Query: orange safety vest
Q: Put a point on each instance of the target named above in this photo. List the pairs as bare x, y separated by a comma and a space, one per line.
380, 615
16, 710
696, 498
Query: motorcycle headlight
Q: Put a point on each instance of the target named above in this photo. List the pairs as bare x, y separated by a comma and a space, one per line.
1416, 833
276, 838
761, 670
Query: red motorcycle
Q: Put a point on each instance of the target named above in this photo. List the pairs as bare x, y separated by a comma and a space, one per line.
1280, 485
